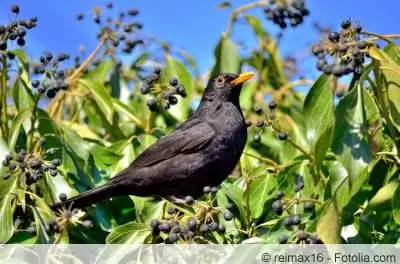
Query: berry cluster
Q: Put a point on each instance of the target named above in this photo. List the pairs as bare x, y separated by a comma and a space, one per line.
164, 94
62, 220
293, 222
178, 227
343, 52
284, 12
53, 79
31, 167
16, 30
272, 106
116, 30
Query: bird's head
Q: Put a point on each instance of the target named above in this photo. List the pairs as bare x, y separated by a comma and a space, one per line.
226, 86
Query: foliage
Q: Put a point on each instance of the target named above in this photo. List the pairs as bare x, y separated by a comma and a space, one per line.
313, 164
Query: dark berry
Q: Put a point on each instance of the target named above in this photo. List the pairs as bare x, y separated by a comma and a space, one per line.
35, 83
309, 206
5, 163
272, 104
172, 100
257, 138
346, 24
362, 44
204, 228
12, 166
191, 224
62, 57
213, 226
334, 36
207, 189
10, 55
282, 136
248, 123
165, 227
176, 229
214, 189
109, 5
3, 45
296, 219
228, 215
51, 93
133, 12
283, 239
189, 200
287, 221
87, 224
302, 235
229, 206
172, 238
21, 42
171, 210
62, 197
358, 28
56, 162
6, 176
258, 110
157, 71
221, 228
15, 9
260, 123
173, 82
35, 163
317, 49
279, 195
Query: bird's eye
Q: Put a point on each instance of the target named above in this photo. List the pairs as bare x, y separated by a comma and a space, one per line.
220, 80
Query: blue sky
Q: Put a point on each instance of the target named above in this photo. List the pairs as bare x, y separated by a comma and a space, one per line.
193, 25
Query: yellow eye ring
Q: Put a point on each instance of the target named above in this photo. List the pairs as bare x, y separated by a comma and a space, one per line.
220, 80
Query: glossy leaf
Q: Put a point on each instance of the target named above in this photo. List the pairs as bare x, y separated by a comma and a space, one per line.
319, 117
17, 126
226, 57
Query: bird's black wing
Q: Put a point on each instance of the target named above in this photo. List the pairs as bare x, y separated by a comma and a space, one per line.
190, 137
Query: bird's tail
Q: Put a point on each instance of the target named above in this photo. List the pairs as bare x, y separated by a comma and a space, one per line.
87, 198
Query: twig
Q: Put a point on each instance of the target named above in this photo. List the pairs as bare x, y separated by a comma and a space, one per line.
240, 10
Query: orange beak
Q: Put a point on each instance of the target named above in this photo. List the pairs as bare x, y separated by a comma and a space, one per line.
242, 78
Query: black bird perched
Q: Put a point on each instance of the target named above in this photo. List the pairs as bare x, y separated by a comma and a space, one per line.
202, 151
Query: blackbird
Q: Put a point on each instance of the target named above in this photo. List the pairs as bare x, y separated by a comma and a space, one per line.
201, 152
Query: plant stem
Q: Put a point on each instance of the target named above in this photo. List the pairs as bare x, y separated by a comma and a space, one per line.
3, 98
33, 123
268, 161
240, 10
54, 105
285, 88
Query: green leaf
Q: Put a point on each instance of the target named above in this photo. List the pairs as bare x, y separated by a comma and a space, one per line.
7, 210
350, 141
396, 205
74, 143
121, 107
319, 117
130, 233
384, 196
16, 127
101, 96
22, 96
260, 191
101, 72
177, 69
236, 195
103, 155
391, 74
328, 226
226, 57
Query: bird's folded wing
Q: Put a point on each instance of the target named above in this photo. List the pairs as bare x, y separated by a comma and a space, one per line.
191, 137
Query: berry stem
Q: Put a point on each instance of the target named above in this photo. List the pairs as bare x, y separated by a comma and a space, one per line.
268, 161
278, 94
241, 10
386, 38
3, 99
53, 108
